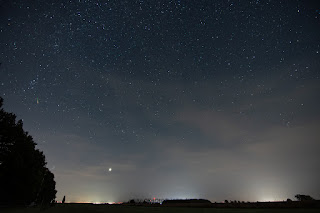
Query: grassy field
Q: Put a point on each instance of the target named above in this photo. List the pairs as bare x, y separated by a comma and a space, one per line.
89, 208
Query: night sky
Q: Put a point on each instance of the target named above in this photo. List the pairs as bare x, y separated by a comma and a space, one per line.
179, 99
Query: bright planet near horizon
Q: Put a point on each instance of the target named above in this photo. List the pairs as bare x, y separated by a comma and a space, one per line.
210, 99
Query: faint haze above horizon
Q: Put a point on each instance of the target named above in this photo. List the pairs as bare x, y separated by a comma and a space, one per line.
169, 99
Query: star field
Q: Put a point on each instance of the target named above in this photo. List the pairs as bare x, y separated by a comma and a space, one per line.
182, 99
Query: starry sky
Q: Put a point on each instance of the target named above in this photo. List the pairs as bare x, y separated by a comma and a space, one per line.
181, 98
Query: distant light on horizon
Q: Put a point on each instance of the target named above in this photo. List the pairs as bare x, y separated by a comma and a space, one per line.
100, 202
267, 199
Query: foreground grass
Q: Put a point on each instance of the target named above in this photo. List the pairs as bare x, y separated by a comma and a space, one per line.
89, 208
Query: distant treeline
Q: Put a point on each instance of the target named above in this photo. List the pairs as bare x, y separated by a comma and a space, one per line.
232, 204
278, 204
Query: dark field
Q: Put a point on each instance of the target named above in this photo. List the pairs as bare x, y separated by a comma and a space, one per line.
84, 208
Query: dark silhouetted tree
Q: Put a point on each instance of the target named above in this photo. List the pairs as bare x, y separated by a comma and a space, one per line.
226, 201
23, 173
303, 197
64, 199
47, 191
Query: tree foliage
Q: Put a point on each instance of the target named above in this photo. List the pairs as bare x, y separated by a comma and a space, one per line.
303, 197
24, 177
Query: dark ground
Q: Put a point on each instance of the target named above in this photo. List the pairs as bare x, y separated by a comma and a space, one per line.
90, 208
